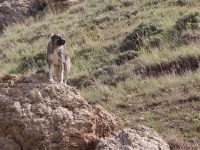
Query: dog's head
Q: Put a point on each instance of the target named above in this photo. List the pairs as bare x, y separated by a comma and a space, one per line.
57, 40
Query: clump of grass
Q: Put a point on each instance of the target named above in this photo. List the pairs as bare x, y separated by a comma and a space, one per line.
188, 21
125, 57
97, 94
186, 28
143, 37
166, 54
37, 61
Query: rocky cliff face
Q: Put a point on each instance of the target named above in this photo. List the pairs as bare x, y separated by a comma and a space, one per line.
48, 116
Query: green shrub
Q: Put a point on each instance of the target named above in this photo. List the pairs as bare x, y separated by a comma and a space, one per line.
142, 37
125, 57
28, 63
189, 23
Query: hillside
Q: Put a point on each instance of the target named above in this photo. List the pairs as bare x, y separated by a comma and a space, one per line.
137, 58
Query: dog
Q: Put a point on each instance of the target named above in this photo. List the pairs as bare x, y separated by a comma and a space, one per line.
57, 59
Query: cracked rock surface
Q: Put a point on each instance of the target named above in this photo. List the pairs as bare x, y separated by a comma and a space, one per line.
135, 138
48, 116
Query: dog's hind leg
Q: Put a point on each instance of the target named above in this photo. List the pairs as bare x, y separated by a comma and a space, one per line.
67, 67
65, 79
65, 74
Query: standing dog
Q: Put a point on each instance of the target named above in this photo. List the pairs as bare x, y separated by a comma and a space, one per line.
57, 59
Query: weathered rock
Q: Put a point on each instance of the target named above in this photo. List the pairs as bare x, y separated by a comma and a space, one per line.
37, 115
17, 10
137, 138
8, 144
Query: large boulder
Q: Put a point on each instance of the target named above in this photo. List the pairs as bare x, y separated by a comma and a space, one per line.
137, 138
36, 115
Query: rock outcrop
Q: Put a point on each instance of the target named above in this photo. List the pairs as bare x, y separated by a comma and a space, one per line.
37, 115
17, 10
137, 138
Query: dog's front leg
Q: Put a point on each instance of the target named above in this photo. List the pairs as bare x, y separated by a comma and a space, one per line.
62, 73
51, 73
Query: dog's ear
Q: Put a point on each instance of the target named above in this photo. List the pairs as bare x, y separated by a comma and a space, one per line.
52, 35
63, 35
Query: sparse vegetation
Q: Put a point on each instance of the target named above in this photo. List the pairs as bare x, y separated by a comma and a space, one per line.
138, 58
143, 38
186, 29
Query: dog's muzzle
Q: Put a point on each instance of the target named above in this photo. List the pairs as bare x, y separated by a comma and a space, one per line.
61, 42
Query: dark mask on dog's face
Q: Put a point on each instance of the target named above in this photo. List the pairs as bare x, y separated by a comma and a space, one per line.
57, 40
